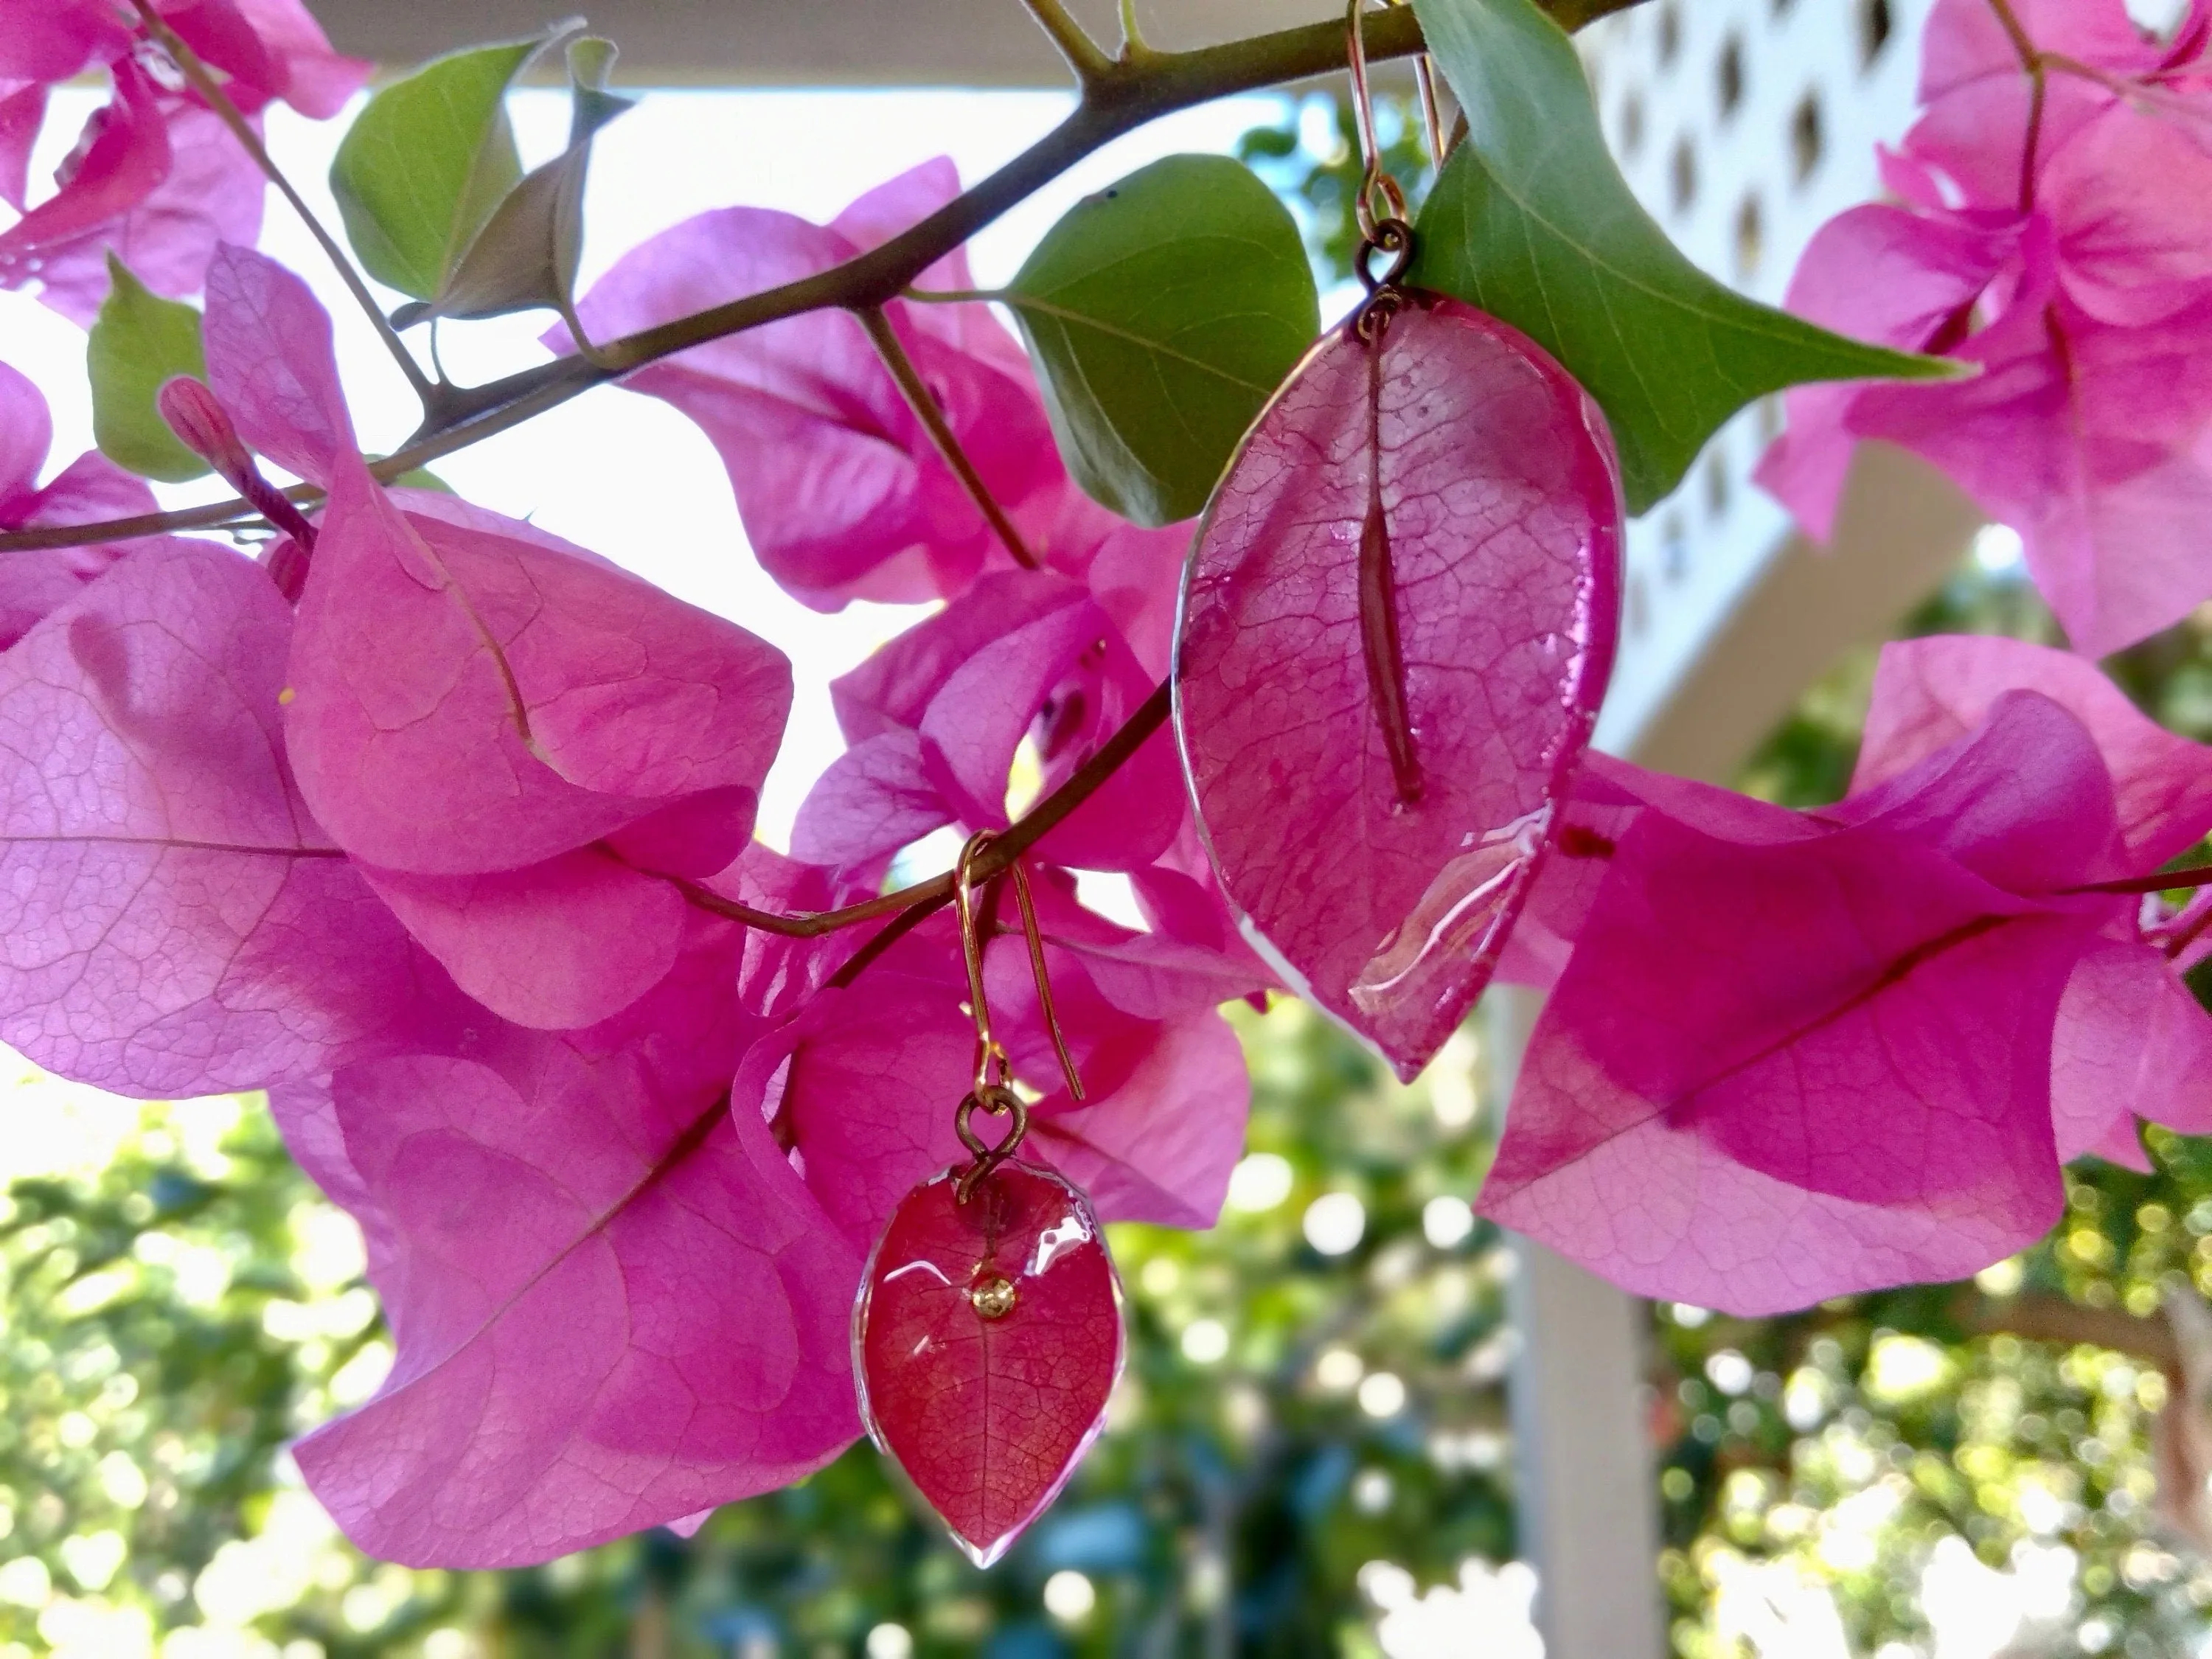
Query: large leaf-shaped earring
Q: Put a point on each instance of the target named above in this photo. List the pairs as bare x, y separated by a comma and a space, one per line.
1398, 619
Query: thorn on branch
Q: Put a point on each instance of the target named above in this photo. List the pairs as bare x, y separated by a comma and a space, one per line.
1135, 54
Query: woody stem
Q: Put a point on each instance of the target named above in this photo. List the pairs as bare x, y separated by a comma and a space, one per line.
1004, 848
1123, 97
210, 91
2167, 881
1082, 53
2032, 65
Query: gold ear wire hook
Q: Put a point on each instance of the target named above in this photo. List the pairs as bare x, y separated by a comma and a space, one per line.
1425, 77
971, 951
1035, 937
992, 1093
988, 1047
1373, 182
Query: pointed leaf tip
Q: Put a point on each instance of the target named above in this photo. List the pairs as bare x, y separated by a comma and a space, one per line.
139, 340
426, 162
524, 255
1531, 221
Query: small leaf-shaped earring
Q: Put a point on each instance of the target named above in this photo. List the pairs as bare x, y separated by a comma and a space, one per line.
1397, 623
987, 1331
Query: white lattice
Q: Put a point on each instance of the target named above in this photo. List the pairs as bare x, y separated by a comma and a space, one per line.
1743, 125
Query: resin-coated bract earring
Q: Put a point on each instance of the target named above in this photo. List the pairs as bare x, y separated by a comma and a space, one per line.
1397, 623
987, 1333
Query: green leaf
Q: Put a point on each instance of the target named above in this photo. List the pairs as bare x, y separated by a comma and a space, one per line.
1531, 221
418, 478
425, 163
1161, 312
525, 255
138, 341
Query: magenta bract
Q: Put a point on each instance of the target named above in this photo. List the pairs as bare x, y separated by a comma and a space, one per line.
1796, 1054
539, 696
174, 922
90, 489
2054, 234
1493, 480
156, 176
613, 1302
986, 1338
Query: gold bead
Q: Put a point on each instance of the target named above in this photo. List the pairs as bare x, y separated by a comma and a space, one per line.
993, 1298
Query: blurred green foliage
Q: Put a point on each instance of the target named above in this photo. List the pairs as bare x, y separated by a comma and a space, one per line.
1311, 159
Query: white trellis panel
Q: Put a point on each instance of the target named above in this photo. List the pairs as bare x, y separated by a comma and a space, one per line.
1743, 125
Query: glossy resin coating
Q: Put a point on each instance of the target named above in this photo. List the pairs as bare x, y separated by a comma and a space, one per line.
986, 1338
1398, 620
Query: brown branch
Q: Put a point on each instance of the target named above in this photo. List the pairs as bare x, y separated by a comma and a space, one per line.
2199, 875
1123, 98
2044, 1317
930, 413
1025, 832
900, 926
210, 90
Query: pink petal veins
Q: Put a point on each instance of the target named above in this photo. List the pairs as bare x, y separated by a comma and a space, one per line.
1965, 39
1797, 1054
1721, 1109
612, 1306
937, 715
2090, 440
164, 224
90, 489
1881, 274
473, 698
1928, 693
175, 922
1163, 1124
843, 494
556, 945
2131, 1042
26, 432
271, 364
1502, 506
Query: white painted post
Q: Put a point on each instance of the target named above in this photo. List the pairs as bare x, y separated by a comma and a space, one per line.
1582, 1468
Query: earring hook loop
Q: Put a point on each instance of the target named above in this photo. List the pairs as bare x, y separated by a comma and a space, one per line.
1378, 203
1374, 183
993, 1091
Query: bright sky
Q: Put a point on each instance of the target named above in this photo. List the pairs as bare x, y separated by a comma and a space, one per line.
624, 475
